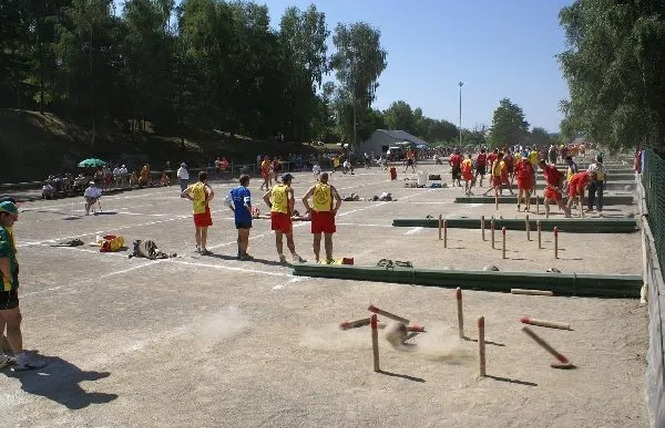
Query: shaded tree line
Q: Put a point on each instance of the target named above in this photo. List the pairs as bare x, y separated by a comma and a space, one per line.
205, 63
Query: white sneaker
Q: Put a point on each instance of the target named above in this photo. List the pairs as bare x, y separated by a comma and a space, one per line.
298, 259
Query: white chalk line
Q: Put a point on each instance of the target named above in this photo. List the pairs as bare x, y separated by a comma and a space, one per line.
177, 218
152, 263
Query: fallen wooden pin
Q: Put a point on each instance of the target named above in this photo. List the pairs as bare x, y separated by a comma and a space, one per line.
347, 325
387, 314
563, 361
545, 323
414, 328
531, 292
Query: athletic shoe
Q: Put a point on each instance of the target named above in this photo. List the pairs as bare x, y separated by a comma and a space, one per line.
206, 252
6, 360
246, 257
298, 259
282, 259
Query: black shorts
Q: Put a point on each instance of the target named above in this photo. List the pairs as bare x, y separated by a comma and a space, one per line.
457, 173
8, 300
409, 162
243, 225
480, 170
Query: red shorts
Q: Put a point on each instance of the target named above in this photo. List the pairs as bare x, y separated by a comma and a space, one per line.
323, 222
281, 222
524, 183
553, 194
496, 181
575, 190
204, 219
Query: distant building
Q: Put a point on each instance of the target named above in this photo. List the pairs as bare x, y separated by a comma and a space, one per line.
382, 139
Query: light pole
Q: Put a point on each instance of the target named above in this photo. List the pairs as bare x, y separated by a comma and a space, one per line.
460, 113
355, 117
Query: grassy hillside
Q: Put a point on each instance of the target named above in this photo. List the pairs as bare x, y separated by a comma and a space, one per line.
34, 145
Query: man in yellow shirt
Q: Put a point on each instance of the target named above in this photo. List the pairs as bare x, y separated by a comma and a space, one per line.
281, 201
201, 194
323, 214
534, 158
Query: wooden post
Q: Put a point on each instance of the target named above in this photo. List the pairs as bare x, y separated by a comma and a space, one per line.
540, 239
556, 242
375, 342
440, 225
481, 346
503, 242
460, 313
445, 233
492, 232
482, 226
527, 225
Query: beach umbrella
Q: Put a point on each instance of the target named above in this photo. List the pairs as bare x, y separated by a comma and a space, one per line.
91, 163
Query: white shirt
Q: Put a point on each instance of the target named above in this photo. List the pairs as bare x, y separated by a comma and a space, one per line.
599, 169
116, 171
92, 192
182, 173
123, 171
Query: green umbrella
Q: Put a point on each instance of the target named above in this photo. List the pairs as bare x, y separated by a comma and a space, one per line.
91, 163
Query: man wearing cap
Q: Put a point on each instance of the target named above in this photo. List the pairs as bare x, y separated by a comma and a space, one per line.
91, 195
323, 214
281, 201
183, 176
10, 314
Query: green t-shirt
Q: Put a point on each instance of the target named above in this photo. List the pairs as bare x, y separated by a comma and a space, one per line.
8, 249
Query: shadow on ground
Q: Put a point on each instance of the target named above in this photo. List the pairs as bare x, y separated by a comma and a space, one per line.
59, 381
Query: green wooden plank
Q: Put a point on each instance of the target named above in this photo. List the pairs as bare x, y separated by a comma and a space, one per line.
563, 284
574, 225
607, 200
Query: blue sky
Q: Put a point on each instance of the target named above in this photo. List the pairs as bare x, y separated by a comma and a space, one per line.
498, 48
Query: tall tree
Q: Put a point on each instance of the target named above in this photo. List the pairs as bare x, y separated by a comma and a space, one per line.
540, 137
303, 37
508, 124
615, 67
400, 116
359, 61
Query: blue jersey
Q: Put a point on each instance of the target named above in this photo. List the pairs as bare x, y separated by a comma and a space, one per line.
242, 204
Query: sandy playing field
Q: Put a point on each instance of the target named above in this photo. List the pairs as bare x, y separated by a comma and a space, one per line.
211, 341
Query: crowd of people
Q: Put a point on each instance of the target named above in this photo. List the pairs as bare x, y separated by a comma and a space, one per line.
509, 167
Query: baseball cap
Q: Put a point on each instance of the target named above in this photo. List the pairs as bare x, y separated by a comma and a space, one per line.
8, 207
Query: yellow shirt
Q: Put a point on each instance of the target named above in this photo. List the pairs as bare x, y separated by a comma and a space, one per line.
322, 197
534, 157
280, 199
496, 168
197, 190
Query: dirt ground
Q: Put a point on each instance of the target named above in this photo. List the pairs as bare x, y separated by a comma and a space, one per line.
211, 341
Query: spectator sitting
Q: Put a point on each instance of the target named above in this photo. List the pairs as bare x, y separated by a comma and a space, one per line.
316, 169
166, 181
91, 195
